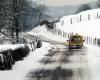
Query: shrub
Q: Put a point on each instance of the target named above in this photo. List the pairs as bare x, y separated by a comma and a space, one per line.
9, 57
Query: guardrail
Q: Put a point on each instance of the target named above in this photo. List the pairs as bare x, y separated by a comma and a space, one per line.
88, 39
92, 40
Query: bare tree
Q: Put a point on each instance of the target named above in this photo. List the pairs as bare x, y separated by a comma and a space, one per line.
6, 18
10, 13
22, 7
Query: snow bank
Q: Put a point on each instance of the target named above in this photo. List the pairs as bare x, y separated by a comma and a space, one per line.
9, 46
21, 68
86, 27
82, 16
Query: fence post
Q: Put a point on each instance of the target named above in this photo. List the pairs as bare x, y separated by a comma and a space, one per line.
80, 17
87, 39
91, 40
71, 21
88, 16
97, 15
99, 42
94, 41
84, 38
62, 23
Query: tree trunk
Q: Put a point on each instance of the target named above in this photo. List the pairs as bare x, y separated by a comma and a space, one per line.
16, 19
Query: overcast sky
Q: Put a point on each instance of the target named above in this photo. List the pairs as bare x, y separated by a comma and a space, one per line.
66, 2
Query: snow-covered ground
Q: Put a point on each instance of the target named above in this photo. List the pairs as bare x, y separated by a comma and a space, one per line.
93, 58
31, 62
43, 31
86, 27
21, 68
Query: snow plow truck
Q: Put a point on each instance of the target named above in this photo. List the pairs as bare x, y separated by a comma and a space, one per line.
75, 41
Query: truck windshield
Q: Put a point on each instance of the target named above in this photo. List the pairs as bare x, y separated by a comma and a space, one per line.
75, 38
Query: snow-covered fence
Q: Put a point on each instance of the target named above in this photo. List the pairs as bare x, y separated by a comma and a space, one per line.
9, 57
59, 32
34, 41
35, 44
92, 40
98, 42
88, 39
82, 16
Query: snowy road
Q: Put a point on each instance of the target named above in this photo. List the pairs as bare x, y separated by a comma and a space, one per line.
63, 64
57, 64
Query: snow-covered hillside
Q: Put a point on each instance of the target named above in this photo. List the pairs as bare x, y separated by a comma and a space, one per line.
44, 32
86, 23
82, 16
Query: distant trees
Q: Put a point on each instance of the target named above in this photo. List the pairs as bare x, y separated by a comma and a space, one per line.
98, 3
39, 9
49, 24
6, 18
83, 7
11, 12
20, 7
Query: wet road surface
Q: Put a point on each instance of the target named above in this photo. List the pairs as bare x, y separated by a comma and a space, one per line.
62, 64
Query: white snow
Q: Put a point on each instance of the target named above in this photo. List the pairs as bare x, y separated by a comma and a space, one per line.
94, 14
21, 68
93, 57
43, 31
10, 46
85, 27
